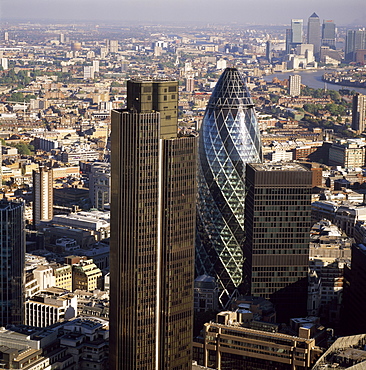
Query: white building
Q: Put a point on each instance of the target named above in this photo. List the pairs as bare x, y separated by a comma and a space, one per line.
221, 64
50, 306
96, 66
4, 63
88, 72
281, 156
96, 221
44, 276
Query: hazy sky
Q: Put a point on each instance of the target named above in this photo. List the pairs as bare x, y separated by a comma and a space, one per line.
343, 12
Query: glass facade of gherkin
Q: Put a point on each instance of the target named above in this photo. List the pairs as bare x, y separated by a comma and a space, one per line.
229, 138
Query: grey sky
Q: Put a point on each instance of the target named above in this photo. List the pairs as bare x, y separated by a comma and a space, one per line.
207, 11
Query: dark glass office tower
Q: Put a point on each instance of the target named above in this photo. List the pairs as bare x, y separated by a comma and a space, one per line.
314, 35
12, 244
152, 232
353, 318
277, 224
294, 35
296, 27
329, 34
229, 139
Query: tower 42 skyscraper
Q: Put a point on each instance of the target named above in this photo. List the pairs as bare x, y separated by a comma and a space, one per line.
152, 231
229, 139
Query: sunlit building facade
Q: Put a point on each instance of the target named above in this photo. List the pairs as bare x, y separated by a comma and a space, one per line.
42, 195
152, 231
314, 36
229, 139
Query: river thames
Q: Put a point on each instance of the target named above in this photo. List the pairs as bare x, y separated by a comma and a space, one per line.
313, 79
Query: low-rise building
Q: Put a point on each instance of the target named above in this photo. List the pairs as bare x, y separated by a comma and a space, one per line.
228, 345
24, 358
344, 353
77, 156
99, 252
77, 344
87, 342
350, 154
206, 294
50, 306
97, 222
44, 276
99, 184
63, 276
86, 275
330, 251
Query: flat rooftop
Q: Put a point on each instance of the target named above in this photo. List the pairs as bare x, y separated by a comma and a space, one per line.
278, 167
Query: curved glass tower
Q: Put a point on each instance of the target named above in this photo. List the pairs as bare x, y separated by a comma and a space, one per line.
229, 138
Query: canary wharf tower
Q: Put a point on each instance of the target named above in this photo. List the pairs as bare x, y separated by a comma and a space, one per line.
229, 138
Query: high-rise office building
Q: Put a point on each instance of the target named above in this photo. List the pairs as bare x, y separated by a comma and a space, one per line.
353, 315
355, 40
288, 40
294, 85
152, 231
229, 138
359, 113
294, 35
314, 35
12, 256
42, 195
296, 27
277, 225
269, 51
329, 34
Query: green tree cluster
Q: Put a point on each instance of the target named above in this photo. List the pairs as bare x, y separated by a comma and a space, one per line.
24, 148
20, 97
20, 79
312, 108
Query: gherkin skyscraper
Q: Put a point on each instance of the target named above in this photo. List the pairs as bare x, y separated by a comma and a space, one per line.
229, 138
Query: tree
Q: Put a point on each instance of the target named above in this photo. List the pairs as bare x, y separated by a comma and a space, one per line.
23, 148
17, 96
311, 108
334, 95
116, 84
28, 97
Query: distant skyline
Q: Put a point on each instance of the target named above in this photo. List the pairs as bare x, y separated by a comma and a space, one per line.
259, 12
